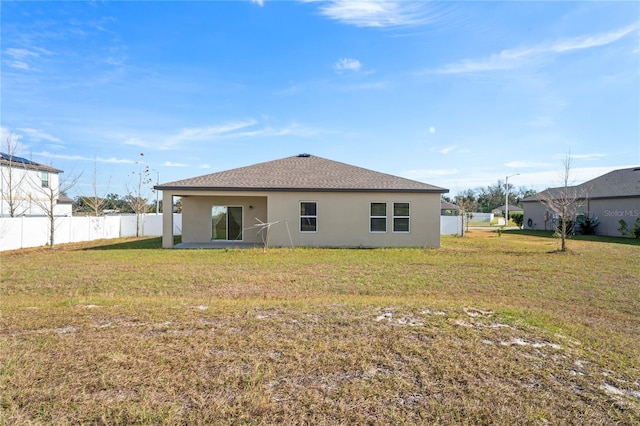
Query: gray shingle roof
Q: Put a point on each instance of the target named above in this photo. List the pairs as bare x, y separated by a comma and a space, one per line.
615, 184
301, 173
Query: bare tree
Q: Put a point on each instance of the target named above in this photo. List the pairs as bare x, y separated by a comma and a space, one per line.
51, 194
138, 191
466, 202
13, 175
95, 202
563, 201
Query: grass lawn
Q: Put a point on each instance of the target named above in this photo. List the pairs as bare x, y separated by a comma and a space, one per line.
487, 329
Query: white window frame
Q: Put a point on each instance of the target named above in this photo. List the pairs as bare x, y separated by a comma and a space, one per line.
307, 217
45, 178
385, 217
394, 217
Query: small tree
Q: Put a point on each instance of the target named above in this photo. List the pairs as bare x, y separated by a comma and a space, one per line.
635, 232
466, 202
587, 225
564, 202
95, 203
138, 191
517, 218
51, 194
623, 229
13, 176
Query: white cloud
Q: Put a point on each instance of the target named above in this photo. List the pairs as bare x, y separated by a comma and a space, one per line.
580, 156
525, 164
518, 57
432, 130
348, 64
426, 174
212, 132
20, 57
258, 2
238, 129
541, 121
447, 149
172, 164
372, 13
19, 53
112, 160
39, 135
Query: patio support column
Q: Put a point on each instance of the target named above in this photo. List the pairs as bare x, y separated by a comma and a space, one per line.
167, 219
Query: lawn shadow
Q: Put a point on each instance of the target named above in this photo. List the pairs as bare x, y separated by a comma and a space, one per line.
597, 238
151, 243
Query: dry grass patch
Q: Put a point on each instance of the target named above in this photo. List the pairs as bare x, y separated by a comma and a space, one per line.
482, 330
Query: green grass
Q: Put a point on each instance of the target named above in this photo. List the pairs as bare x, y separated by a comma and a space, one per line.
487, 329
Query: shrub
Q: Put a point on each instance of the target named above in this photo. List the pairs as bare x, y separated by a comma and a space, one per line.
570, 226
517, 218
635, 232
623, 229
587, 225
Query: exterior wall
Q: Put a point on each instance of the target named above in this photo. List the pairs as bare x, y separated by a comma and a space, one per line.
29, 194
196, 225
534, 213
611, 210
608, 210
343, 218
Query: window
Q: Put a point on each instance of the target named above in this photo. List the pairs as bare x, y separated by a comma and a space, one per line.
400, 217
45, 179
378, 217
308, 216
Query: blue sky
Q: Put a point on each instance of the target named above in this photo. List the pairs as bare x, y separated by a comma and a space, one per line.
456, 94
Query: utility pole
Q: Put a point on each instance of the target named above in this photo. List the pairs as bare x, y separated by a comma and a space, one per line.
157, 183
506, 198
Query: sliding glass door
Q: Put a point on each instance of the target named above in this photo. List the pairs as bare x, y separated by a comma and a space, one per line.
226, 223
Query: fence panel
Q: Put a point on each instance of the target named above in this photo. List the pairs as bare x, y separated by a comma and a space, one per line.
450, 225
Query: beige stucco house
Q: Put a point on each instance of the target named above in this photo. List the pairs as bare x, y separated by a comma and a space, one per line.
308, 201
611, 197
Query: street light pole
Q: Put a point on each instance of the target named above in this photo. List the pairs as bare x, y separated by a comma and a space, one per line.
157, 183
506, 198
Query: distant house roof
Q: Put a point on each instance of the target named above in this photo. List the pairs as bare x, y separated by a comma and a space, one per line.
303, 172
445, 205
14, 161
622, 183
512, 208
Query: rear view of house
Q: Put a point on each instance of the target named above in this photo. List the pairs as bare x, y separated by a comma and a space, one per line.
611, 198
310, 201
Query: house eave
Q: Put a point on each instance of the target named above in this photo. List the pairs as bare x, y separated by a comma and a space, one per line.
263, 189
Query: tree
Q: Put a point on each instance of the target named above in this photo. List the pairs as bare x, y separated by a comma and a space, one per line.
517, 218
466, 201
138, 191
563, 201
491, 197
13, 176
52, 192
95, 202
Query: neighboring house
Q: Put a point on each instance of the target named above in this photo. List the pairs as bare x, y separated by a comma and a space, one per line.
611, 197
28, 187
448, 209
308, 201
499, 211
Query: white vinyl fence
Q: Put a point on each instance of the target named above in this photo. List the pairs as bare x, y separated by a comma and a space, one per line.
25, 231
450, 225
